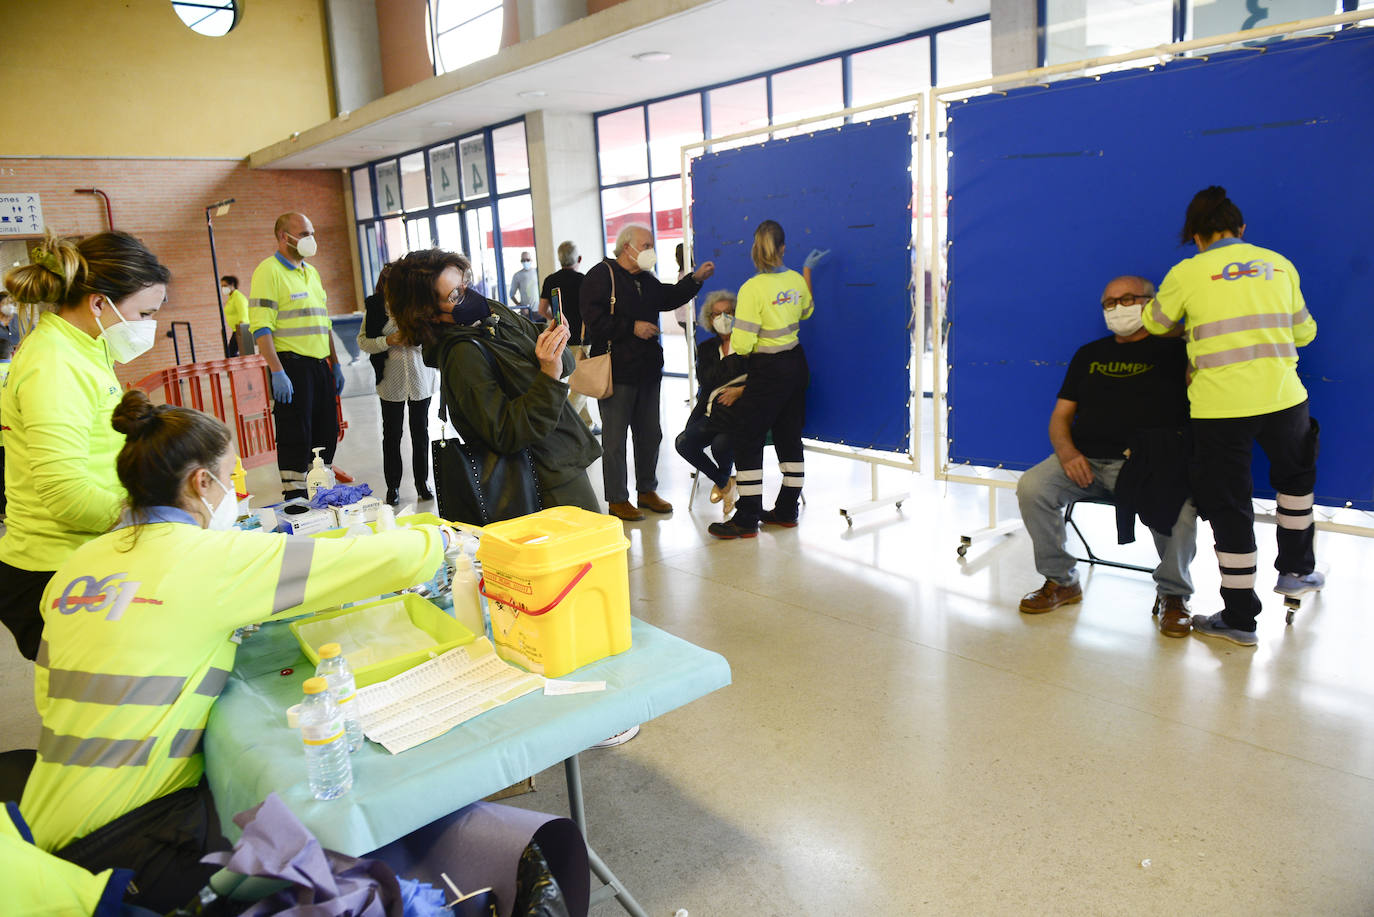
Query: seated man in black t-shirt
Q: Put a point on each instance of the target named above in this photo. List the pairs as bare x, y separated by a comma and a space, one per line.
1115, 386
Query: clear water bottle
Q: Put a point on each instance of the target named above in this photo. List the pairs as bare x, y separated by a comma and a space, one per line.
334, 668
326, 742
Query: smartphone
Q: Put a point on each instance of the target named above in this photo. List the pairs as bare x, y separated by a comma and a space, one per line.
556, 301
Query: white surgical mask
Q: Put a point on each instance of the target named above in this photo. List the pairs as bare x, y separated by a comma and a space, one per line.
128, 340
223, 516
8, 310
724, 323
1125, 321
224, 291
305, 245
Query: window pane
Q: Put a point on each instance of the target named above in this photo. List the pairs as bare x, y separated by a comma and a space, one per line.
468, 30
1076, 30
517, 238
368, 266
620, 206
418, 235
738, 107
482, 251
472, 153
1219, 17
803, 91
512, 159
443, 174
890, 71
620, 146
672, 124
450, 232
362, 194
394, 238
964, 55
388, 187
667, 226
413, 189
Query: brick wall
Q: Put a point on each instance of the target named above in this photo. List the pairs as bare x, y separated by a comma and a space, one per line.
162, 201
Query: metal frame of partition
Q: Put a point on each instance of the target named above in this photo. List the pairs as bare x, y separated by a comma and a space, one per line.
998, 477
909, 461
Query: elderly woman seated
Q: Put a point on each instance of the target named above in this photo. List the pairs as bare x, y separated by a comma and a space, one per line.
720, 380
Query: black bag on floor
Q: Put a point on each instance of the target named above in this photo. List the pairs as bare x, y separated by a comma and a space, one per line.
475, 484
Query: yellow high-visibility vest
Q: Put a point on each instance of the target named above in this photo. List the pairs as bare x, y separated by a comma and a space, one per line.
290, 302
769, 312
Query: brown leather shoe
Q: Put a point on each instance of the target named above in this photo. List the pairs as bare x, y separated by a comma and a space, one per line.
1175, 620
653, 501
1049, 597
627, 511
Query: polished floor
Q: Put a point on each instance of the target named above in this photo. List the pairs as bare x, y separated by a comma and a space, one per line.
899, 740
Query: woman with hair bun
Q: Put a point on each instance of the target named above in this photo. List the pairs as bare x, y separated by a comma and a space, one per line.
137, 648
1245, 319
98, 298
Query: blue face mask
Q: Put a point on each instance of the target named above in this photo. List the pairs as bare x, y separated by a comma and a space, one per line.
471, 308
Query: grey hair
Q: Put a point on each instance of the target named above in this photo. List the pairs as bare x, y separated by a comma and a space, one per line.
713, 297
567, 254
623, 237
1145, 283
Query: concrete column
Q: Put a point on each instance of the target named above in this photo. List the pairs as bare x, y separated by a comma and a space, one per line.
354, 49
563, 185
1014, 25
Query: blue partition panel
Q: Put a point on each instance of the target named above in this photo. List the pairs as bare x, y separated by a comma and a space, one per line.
1057, 190
848, 190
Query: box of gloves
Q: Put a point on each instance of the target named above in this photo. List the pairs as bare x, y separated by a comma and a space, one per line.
361, 512
296, 517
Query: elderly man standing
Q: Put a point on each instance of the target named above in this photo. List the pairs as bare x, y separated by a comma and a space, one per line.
1115, 387
290, 323
621, 300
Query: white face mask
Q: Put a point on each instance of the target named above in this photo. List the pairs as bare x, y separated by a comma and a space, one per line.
8, 310
305, 245
128, 340
223, 516
224, 291
1125, 321
646, 259
724, 323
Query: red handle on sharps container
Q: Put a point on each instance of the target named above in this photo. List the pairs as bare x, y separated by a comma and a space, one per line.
519, 609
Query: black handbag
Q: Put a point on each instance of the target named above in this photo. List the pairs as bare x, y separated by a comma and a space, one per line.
476, 484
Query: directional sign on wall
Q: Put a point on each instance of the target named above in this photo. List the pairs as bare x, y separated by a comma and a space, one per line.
443, 174
21, 213
474, 151
388, 188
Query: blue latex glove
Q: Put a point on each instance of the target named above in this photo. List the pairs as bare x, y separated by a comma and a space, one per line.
816, 257
282, 389
338, 378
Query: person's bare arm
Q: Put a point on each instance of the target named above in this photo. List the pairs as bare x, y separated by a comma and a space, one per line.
1075, 464
268, 349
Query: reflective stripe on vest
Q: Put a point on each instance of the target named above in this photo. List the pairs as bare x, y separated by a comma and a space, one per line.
1245, 355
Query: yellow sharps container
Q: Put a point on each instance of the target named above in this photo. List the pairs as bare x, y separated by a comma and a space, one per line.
557, 588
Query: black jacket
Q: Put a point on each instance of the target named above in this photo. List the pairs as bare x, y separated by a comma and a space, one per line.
374, 321
713, 372
638, 297
540, 418
1154, 481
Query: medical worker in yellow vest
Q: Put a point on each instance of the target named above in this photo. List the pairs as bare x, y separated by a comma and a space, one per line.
137, 647
768, 316
34, 882
286, 309
99, 297
1242, 311
235, 310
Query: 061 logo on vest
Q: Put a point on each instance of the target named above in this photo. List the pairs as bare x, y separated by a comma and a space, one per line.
113, 593
1256, 268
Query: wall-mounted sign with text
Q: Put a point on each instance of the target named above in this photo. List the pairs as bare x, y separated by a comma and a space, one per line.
21, 214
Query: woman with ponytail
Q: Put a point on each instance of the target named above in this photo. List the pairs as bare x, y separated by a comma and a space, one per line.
95, 300
1242, 311
137, 647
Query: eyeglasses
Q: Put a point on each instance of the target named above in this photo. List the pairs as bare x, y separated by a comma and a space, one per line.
456, 295
1130, 299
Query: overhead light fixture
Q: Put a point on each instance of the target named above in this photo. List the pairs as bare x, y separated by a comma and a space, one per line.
532, 94
836, 2
372, 147
319, 165
653, 57
441, 124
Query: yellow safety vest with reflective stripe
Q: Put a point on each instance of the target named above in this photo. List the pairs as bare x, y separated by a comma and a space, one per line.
136, 647
1245, 320
34, 883
290, 303
769, 312
60, 449
235, 310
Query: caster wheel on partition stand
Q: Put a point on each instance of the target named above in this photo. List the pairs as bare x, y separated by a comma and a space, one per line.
963, 548
1293, 604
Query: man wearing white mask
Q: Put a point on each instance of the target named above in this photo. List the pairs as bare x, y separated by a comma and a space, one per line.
621, 300
524, 287
286, 310
1116, 387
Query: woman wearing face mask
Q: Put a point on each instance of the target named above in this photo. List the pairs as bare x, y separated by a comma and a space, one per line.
720, 379
499, 376
1245, 318
137, 648
99, 295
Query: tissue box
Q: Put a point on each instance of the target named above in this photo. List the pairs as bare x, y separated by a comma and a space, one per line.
296, 517
362, 512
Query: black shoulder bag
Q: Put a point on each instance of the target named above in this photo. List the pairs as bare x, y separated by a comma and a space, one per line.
476, 484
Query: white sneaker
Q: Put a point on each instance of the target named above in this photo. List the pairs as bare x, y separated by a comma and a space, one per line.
620, 738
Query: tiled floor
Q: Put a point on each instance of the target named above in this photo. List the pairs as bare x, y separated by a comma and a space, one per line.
899, 740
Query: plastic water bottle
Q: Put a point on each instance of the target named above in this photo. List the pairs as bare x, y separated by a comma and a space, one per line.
334, 668
326, 742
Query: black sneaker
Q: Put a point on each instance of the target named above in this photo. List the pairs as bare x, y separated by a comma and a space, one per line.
423, 492
393, 497
729, 529
771, 517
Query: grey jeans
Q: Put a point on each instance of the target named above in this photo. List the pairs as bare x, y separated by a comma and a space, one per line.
1045, 490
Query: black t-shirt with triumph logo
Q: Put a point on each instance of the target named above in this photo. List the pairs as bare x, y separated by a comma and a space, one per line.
1121, 388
